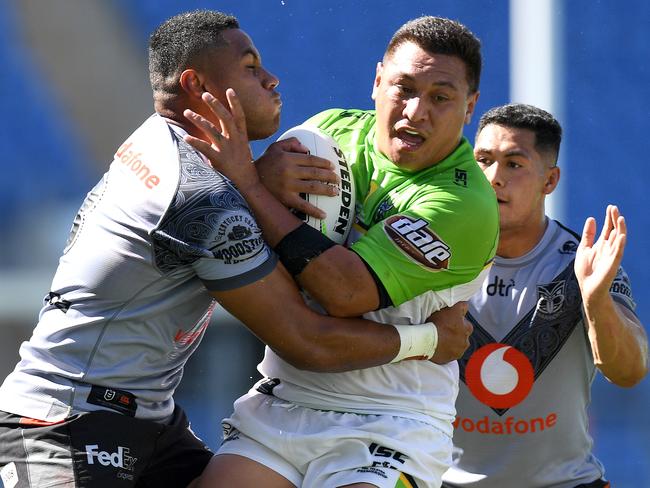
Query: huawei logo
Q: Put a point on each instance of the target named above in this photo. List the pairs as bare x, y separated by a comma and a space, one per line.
499, 375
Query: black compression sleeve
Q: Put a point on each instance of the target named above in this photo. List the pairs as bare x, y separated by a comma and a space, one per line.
300, 246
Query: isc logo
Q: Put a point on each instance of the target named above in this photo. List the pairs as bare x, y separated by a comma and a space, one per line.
415, 239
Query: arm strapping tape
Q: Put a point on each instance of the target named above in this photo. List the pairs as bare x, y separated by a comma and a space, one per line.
416, 341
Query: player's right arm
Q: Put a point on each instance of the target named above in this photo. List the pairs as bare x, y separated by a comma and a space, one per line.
273, 309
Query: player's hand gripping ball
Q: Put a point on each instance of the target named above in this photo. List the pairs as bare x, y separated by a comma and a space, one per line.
339, 208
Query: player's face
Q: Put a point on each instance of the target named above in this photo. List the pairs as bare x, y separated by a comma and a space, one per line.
422, 102
238, 65
520, 175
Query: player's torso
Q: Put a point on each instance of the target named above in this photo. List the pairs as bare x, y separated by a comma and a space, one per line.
418, 389
525, 380
125, 309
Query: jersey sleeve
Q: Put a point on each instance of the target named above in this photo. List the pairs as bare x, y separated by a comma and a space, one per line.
428, 248
621, 290
209, 227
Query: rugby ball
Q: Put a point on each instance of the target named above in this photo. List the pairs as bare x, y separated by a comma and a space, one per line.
339, 208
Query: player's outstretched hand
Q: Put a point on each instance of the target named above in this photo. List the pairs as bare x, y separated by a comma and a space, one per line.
597, 262
225, 146
287, 169
453, 333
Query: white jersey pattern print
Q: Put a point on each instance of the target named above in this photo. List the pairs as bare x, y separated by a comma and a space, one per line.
526, 377
129, 302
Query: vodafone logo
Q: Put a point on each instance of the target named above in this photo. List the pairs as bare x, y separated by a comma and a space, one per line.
499, 375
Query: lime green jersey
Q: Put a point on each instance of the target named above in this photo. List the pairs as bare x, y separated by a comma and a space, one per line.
427, 230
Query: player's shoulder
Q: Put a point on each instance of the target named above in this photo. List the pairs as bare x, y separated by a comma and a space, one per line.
458, 186
566, 240
337, 120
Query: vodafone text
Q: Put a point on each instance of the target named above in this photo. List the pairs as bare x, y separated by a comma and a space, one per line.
509, 425
132, 160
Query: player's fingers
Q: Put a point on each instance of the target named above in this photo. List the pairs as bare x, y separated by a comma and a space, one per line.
222, 113
204, 124
237, 110
317, 162
621, 225
588, 232
202, 146
305, 207
292, 144
608, 225
317, 174
316, 188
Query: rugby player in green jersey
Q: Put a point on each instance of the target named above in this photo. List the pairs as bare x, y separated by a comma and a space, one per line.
427, 229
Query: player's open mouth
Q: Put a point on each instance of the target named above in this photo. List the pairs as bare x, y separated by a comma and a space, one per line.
410, 139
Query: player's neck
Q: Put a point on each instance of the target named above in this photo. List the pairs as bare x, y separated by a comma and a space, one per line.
515, 242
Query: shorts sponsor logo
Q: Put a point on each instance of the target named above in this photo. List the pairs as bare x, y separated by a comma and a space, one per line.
385, 457
9, 475
120, 459
416, 240
499, 375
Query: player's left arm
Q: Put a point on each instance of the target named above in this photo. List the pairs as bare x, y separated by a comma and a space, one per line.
335, 276
618, 340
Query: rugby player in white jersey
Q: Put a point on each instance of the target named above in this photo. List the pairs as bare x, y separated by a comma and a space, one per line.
158, 243
555, 309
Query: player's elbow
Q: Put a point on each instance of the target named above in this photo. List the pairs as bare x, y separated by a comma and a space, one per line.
344, 308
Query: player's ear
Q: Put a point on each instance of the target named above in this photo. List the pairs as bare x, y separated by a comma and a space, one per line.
375, 85
472, 98
191, 83
552, 179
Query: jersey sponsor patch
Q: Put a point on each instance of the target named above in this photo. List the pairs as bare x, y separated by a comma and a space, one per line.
414, 238
119, 400
500, 374
237, 239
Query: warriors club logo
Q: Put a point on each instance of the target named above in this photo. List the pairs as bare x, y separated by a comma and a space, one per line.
499, 375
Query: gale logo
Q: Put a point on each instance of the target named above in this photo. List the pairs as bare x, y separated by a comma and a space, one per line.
499, 375
416, 240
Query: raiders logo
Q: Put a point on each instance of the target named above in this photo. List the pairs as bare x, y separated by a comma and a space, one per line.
417, 241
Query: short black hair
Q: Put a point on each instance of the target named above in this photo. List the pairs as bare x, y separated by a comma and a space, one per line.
547, 130
438, 35
181, 40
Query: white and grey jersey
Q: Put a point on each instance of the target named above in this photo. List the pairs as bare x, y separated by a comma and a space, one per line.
130, 299
526, 377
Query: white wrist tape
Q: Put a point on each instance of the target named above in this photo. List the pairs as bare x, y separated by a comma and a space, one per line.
416, 341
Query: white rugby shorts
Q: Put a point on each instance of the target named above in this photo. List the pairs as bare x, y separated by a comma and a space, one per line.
325, 449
